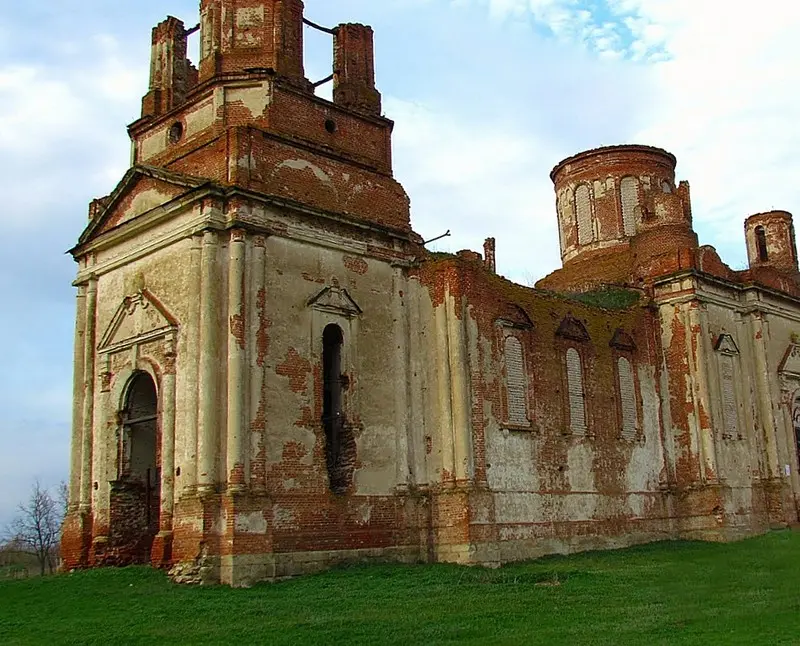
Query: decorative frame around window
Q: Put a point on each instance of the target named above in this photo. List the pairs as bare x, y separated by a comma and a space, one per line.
575, 344
729, 374
627, 398
516, 391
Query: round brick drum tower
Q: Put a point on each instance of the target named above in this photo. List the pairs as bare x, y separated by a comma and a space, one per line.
606, 196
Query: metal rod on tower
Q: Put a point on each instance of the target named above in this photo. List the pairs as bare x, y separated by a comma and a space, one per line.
319, 27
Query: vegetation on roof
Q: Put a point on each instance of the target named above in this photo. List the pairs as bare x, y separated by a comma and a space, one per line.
610, 298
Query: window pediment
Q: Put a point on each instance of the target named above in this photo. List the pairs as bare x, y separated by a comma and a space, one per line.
335, 300
726, 345
513, 316
790, 365
138, 318
622, 341
571, 328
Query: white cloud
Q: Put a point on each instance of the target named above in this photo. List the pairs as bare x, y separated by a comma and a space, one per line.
474, 178
726, 106
63, 129
723, 93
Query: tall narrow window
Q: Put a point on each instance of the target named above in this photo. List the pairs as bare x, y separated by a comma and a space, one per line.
729, 403
332, 408
761, 244
516, 384
566, 215
577, 404
140, 418
627, 397
583, 204
629, 194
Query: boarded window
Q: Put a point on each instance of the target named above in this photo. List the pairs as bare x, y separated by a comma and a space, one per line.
629, 190
577, 409
566, 215
627, 398
729, 404
583, 204
516, 386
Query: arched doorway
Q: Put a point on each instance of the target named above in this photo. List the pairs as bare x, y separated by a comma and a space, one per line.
136, 495
796, 426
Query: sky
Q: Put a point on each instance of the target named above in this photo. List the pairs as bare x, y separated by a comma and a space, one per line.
487, 96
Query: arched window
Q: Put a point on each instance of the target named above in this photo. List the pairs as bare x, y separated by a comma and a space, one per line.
583, 204
761, 244
627, 398
577, 403
730, 406
566, 214
666, 187
140, 418
333, 420
629, 194
516, 383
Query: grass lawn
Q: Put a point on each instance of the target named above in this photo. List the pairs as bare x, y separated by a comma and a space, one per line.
669, 593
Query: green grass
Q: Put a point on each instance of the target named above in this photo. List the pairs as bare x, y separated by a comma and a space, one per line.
670, 593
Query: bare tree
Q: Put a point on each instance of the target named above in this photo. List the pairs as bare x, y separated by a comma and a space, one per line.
37, 526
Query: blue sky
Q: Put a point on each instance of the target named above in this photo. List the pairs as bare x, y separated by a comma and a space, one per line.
487, 95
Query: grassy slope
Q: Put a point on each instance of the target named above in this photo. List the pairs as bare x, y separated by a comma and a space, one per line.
672, 593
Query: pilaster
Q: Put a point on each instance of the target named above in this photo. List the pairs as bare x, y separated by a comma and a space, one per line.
237, 361
88, 396
208, 430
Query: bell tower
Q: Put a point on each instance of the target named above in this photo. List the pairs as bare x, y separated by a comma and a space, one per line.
248, 115
240, 35
251, 269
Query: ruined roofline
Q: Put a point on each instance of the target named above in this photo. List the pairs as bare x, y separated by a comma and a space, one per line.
735, 285
438, 261
206, 88
620, 148
778, 213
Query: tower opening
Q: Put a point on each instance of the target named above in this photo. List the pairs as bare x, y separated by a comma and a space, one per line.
761, 244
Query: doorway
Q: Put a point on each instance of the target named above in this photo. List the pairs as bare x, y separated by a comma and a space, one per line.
136, 496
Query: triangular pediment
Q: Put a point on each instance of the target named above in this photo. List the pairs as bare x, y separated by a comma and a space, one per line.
571, 328
139, 318
791, 361
514, 316
335, 300
142, 190
622, 341
726, 344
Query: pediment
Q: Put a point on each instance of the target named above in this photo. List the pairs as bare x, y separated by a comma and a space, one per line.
142, 190
571, 328
335, 300
139, 318
790, 364
622, 341
514, 316
726, 345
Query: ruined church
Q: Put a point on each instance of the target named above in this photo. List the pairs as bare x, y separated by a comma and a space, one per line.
273, 374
